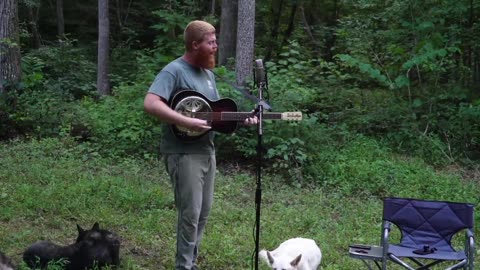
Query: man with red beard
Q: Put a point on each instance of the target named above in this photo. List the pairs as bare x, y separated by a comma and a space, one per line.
190, 165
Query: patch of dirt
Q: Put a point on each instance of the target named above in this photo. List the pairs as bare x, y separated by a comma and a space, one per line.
471, 174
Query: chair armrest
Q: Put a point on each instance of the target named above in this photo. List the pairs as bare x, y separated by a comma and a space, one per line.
385, 233
469, 241
469, 247
469, 233
384, 242
387, 224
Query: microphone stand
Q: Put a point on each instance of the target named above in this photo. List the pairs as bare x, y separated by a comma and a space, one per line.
258, 193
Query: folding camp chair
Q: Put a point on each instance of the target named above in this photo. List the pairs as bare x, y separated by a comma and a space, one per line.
427, 228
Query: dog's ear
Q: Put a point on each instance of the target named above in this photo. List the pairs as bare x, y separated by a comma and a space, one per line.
96, 227
270, 258
80, 230
296, 261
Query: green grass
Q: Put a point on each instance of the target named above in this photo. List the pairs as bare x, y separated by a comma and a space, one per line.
49, 186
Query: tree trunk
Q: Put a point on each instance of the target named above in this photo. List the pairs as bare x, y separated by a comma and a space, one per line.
331, 37
33, 11
308, 29
212, 8
60, 20
118, 12
9, 44
103, 83
228, 31
245, 40
472, 54
291, 25
276, 13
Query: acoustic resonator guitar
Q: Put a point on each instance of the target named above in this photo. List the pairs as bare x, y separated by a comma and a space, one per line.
222, 115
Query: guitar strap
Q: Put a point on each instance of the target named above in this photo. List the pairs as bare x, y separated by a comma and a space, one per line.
245, 92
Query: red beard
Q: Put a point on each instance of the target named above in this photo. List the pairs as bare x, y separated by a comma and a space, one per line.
211, 62
206, 60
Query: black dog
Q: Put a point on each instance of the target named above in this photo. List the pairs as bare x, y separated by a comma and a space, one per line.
5, 262
94, 247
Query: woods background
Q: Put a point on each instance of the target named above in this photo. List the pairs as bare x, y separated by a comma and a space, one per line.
404, 72
389, 90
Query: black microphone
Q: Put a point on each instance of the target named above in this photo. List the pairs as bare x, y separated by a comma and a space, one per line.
259, 72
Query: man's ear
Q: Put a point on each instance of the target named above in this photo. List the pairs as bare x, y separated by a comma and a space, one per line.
195, 45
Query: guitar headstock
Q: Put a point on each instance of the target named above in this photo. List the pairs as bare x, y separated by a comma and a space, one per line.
292, 116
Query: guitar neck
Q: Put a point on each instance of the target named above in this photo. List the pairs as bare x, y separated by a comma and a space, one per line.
241, 116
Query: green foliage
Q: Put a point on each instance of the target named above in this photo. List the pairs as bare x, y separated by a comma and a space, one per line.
407, 42
174, 16
53, 77
367, 69
6, 44
47, 104
384, 77
399, 75
7, 126
32, 70
149, 63
284, 142
439, 128
39, 114
118, 124
65, 69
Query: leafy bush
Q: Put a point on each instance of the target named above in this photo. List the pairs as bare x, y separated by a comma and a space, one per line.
58, 100
119, 125
39, 114
7, 125
173, 17
65, 69
52, 79
284, 144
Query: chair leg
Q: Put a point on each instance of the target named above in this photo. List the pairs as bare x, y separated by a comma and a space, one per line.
425, 266
398, 261
461, 264
367, 264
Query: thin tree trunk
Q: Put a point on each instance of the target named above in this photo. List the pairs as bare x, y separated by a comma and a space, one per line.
60, 20
118, 12
212, 9
274, 29
245, 40
33, 11
473, 55
9, 44
103, 83
306, 26
127, 12
331, 38
228, 31
291, 25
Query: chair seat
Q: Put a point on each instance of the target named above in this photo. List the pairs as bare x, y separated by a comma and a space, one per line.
426, 230
401, 251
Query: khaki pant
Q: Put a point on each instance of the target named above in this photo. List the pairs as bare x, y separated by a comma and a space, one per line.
192, 177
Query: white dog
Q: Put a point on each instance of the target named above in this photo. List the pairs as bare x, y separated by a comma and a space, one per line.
294, 254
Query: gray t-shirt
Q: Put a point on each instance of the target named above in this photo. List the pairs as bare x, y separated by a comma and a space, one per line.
180, 75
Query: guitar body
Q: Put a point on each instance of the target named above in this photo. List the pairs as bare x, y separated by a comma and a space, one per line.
221, 114
190, 103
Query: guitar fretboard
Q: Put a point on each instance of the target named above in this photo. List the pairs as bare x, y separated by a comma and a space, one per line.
233, 116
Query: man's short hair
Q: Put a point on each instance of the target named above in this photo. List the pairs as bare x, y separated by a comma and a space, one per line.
195, 31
